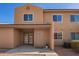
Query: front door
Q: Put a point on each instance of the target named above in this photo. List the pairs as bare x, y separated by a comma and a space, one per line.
28, 38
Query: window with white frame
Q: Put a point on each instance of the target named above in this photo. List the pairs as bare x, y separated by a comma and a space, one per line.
74, 18
28, 17
58, 35
75, 35
57, 18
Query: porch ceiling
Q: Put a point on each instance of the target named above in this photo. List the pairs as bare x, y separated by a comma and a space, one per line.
25, 26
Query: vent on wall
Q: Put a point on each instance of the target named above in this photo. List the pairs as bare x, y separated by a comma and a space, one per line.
28, 8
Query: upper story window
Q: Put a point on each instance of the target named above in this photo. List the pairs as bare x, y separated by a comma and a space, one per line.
57, 18
28, 17
74, 18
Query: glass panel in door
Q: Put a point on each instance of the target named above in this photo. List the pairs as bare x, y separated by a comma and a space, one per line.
25, 38
28, 38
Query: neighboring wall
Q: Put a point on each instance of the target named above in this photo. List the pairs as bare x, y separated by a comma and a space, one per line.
6, 38
66, 26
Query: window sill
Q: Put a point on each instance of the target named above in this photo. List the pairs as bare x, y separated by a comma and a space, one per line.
57, 22
74, 22
75, 40
27, 21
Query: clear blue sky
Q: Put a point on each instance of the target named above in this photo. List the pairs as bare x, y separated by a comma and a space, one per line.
7, 9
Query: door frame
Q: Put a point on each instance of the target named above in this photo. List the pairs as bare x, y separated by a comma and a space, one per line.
28, 38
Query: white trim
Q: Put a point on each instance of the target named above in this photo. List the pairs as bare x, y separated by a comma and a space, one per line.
70, 18
59, 32
75, 40
28, 18
58, 21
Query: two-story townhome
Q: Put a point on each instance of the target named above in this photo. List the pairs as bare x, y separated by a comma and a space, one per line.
37, 27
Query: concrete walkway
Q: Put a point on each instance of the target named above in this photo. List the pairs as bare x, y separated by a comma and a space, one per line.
30, 51
27, 48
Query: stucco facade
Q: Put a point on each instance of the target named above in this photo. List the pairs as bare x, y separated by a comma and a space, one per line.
41, 28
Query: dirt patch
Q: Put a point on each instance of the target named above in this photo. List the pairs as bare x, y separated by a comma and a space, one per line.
66, 51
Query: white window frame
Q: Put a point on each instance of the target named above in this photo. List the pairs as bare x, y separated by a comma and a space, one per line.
70, 35
73, 40
28, 13
70, 18
28, 17
59, 32
58, 21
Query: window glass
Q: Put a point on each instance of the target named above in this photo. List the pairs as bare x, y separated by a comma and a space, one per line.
77, 18
75, 35
54, 17
25, 17
28, 17
74, 18
72, 35
58, 35
57, 18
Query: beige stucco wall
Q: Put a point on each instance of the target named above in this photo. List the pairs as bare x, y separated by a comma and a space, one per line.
10, 38
47, 17
17, 38
37, 13
41, 37
6, 38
